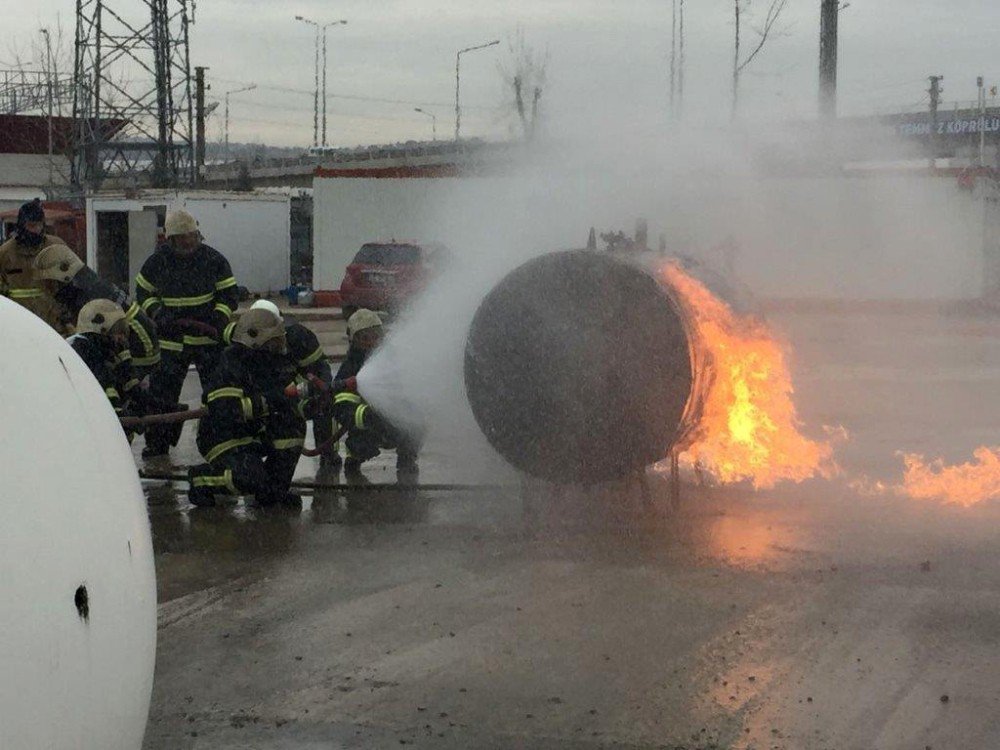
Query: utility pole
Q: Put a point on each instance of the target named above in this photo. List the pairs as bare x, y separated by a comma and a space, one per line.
199, 118
828, 18
935, 94
458, 62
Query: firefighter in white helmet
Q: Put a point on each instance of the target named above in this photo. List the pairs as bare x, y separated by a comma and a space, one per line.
189, 291
312, 368
253, 433
367, 431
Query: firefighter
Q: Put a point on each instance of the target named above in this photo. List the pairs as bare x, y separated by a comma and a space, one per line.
368, 431
311, 365
253, 433
18, 278
63, 275
189, 291
101, 333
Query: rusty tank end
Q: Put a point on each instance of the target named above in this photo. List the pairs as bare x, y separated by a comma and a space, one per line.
578, 368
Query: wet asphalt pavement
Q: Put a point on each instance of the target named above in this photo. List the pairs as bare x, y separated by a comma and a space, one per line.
517, 617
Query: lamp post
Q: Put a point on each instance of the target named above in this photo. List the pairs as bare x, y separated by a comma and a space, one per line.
434, 120
458, 62
320, 28
251, 87
48, 89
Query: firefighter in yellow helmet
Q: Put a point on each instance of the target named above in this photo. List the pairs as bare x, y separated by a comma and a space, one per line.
18, 277
253, 433
189, 291
101, 334
73, 285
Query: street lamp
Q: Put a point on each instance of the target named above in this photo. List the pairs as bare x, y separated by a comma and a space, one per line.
251, 87
458, 61
320, 28
48, 89
434, 120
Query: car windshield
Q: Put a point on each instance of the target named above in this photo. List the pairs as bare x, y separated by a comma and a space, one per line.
387, 255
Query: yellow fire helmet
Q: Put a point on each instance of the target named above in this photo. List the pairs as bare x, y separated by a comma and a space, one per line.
57, 263
179, 222
99, 316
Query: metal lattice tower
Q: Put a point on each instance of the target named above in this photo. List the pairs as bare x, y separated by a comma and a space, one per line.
132, 101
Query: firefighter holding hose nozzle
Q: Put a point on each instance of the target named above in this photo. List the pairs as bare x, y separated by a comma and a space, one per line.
253, 432
189, 291
312, 367
367, 431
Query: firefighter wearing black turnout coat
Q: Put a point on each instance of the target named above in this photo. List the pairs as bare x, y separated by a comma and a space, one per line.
189, 291
101, 334
253, 433
367, 431
311, 364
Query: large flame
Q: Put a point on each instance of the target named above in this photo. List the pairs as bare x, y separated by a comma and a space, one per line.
963, 484
745, 423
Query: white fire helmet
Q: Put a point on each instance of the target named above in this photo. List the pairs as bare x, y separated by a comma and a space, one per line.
266, 304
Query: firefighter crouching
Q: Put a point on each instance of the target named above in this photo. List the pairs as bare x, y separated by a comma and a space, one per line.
253, 433
18, 279
64, 276
101, 334
367, 431
311, 364
189, 291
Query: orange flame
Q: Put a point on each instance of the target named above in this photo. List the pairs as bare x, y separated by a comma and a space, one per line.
747, 428
964, 484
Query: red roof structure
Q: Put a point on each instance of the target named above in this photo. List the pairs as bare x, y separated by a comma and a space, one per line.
29, 134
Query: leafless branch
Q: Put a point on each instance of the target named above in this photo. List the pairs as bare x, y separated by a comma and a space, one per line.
763, 32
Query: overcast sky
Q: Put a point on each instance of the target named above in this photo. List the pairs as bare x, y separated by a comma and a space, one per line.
606, 59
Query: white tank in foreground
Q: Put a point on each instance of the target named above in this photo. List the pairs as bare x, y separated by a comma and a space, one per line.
77, 586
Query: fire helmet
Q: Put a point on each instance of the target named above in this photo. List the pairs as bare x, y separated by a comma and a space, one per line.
57, 263
266, 304
362, 320
30, 211
99, 316
256, 327
179, 222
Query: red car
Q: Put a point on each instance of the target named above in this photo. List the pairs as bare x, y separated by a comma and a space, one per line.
383, 276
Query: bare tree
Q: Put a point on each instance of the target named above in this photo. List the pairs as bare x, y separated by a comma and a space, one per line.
764, 31
524, 75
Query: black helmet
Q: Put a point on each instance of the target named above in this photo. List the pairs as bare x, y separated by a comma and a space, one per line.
30, 211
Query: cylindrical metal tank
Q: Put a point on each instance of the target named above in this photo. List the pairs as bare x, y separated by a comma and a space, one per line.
77, 592
578, 367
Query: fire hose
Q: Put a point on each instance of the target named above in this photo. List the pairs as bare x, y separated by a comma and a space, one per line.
197, 325
292, 391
